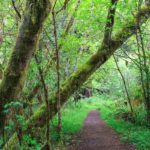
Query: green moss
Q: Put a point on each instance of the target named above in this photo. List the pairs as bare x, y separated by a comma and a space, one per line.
12, 144
37, 116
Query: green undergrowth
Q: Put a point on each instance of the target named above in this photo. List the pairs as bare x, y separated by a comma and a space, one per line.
136, 134
73, 117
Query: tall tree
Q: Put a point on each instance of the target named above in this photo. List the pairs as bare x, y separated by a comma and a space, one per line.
35, 13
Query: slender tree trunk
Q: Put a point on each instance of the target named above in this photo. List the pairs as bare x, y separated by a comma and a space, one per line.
124, 83
36, 12
57, 53
144, 69
147, 73
48, 142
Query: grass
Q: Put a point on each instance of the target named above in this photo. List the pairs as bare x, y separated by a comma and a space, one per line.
74, 116
137, 135
72, 120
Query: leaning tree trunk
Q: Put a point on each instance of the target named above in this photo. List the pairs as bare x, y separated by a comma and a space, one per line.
36, 12
82, 74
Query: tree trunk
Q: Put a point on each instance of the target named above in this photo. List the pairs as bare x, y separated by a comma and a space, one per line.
124, 83
82, 74
36, 12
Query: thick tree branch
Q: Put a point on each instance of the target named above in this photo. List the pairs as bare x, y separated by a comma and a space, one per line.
82, 74
110, 22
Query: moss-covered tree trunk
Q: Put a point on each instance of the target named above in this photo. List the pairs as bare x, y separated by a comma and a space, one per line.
36, 12
82, 74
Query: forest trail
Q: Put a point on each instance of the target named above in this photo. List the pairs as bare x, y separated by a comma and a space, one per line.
96, 135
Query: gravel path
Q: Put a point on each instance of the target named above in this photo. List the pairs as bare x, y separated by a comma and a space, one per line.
96, 135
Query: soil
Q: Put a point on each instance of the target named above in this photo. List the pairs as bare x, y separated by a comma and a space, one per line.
96, 135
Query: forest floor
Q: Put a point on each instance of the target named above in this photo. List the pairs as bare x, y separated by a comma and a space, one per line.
96, 135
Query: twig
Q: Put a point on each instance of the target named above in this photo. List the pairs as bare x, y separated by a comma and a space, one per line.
16, 10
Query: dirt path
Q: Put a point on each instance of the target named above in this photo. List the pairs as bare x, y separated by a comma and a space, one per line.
96, 135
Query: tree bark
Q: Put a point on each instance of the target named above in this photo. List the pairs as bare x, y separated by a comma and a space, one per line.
36, 12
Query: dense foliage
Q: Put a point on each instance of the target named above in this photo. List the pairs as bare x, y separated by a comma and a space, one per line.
69, 43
